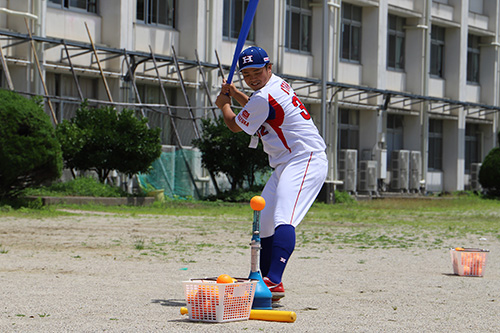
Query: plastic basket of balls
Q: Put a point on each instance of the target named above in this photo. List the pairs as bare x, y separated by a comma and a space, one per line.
468, 261
219, 299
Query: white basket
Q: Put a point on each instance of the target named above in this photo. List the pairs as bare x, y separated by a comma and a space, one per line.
468, 262
210, 301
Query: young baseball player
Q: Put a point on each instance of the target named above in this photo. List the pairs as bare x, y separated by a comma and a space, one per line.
275, 115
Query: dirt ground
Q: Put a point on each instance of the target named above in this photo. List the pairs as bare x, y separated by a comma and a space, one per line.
93, 272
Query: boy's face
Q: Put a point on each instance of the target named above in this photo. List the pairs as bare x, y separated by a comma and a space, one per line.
257, 78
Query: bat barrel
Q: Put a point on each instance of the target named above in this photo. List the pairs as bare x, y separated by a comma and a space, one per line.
273, 315
245, 28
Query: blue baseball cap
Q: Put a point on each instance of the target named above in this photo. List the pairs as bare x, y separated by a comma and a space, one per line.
253, 57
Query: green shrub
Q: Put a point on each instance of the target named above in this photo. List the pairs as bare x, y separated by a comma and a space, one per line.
225, 152
30, 153
343, 197
80, 186
102, 140
489, 174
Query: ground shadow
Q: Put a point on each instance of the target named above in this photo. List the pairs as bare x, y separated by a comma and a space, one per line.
169, 302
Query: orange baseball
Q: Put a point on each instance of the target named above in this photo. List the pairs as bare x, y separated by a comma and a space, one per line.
257, 203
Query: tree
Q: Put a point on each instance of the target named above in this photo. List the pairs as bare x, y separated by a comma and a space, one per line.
226, 152
102, 140
29, 151
489, 174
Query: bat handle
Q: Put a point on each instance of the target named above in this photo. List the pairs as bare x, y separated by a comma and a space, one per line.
230, 77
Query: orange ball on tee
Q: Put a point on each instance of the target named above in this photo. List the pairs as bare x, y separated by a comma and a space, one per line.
258, 203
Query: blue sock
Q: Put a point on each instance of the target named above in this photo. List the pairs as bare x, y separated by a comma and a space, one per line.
265, 254
283, 246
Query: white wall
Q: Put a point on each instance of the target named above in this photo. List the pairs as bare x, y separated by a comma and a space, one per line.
71, 25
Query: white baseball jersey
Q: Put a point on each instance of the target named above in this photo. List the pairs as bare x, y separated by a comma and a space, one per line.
296, 152
281, 121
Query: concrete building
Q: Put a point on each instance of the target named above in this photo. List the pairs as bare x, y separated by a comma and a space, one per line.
406, 93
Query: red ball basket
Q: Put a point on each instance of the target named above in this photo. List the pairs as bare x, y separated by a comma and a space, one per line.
210, 301
468, 261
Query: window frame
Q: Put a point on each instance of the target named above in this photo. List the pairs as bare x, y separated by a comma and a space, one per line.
473, 59
351, 127
398, 34
472, 145
303, 13
66, 5
394, 131
150, 93
351, 23
435, 142
437, 44
230, 26
148, 13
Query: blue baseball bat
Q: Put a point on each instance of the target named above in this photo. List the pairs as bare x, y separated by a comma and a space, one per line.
245, 28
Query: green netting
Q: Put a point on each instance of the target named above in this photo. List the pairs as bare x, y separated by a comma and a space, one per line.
171, 174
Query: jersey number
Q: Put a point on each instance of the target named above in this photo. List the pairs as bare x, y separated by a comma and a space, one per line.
296, 102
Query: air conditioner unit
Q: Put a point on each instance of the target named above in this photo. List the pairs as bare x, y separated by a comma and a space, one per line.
367, 176
474, 177
415, 170
400, 170
348, 159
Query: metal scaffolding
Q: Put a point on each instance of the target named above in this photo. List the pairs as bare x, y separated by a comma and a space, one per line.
169, 70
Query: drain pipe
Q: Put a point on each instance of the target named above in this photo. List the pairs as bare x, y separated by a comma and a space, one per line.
324, 59
281, 36
425, 91
334, 115
496, 117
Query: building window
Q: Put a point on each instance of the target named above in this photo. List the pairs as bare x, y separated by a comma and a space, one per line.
234, 12
64, 85
437, 51
298, 25
435, 144
348, 129
472, 145
396, 43
351, 33
394, 134
476, 6
86, 5
158, 117
473, 59
156, 12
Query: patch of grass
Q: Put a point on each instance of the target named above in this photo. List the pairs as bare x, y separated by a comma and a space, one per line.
139, 244
382, 223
